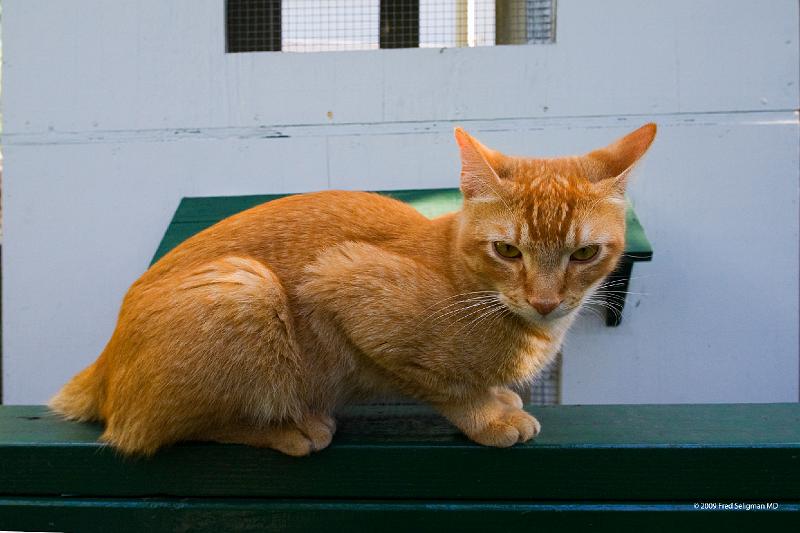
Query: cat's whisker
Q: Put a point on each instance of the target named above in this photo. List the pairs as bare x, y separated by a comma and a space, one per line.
595, 311
626, 280
436, 317
623, 280
614, 290
612, 296
487, 305
457, 303
604, 291
612, 284
616, 300
458, 295
496, 317
604, 305
591, 310
482, 318
461, 302
616, 303
477, 311
614, 308
458, 315
603, 300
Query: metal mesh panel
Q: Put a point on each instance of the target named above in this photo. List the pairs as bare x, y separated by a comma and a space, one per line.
399, 24
326, 25
540, 23
546, 389
253, 25
320, 25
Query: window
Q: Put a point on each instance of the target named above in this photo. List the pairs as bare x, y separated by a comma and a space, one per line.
326, 25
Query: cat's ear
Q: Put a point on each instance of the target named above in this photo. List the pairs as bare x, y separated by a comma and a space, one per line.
612, 165
479, 178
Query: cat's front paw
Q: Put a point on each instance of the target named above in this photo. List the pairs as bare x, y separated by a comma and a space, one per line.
512, 426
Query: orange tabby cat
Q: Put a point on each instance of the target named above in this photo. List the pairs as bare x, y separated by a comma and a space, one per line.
257, 329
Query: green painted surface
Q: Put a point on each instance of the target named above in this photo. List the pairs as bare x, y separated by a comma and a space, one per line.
637, 247
90, 515
565, 426
195, 214
620, 453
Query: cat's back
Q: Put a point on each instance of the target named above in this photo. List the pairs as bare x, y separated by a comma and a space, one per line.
289, 232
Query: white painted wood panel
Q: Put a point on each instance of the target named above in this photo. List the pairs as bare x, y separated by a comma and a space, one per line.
149, 64
714, 317
716, 324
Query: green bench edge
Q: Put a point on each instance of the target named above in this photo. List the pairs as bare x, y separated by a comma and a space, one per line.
101, 515
646, 453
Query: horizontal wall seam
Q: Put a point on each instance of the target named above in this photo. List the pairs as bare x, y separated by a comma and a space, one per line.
283, 131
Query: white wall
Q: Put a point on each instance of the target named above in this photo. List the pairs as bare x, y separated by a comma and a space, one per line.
111, 118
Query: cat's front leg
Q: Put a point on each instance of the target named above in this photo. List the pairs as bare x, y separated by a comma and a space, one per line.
489, 420
507, 396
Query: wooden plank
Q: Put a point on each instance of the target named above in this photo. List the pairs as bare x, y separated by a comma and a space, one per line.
645, 453
195, 214
102, 515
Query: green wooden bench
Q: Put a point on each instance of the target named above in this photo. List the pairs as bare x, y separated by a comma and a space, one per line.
404, 468
196, 214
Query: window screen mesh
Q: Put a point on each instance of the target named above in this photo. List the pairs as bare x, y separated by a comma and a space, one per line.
253, 25
324, 25
546, 390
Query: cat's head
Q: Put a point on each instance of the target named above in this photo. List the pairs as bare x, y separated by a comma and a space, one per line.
544, 233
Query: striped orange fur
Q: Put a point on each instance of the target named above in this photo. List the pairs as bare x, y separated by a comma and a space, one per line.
259, 328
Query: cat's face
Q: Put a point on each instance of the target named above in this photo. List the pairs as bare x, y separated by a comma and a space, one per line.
546, 246
544, 233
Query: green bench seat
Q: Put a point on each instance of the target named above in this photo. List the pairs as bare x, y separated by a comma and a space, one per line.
404, 468
196, 214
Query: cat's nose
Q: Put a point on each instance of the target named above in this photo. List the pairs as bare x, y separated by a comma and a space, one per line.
544, 305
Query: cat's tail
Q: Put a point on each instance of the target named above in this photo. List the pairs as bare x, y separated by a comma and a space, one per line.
79, 399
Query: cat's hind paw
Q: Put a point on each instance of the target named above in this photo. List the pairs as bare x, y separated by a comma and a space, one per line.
312, 434
319, 429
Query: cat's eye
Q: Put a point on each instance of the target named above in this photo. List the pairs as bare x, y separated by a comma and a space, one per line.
506, 250
585, 253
